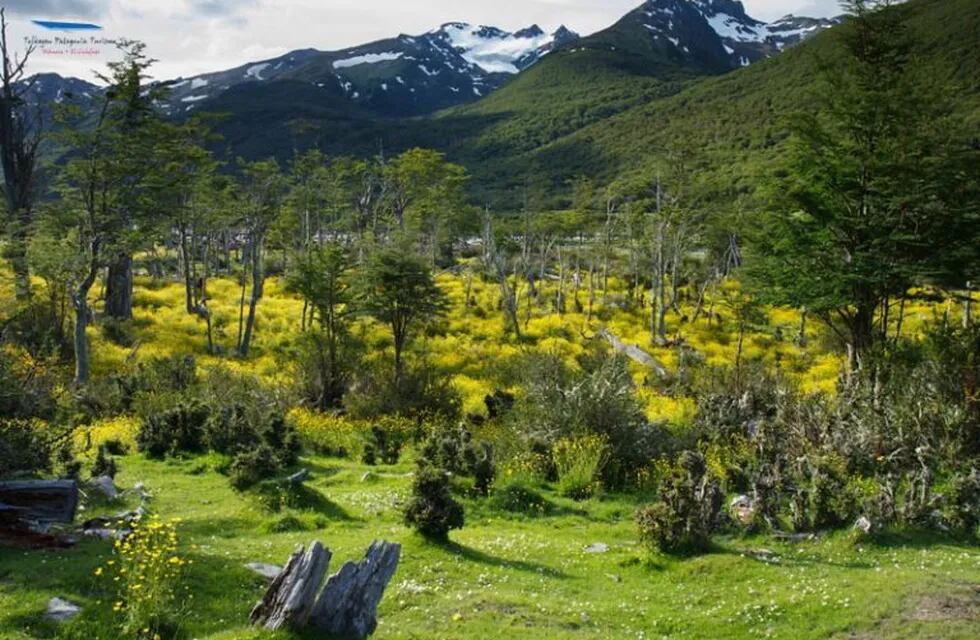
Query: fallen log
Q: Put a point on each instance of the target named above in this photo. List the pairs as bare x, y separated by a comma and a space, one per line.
634, 353
38, 500
347, 607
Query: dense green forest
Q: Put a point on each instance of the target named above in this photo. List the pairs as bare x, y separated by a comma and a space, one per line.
682, 355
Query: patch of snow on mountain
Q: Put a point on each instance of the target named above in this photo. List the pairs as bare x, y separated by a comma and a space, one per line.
194, 98
367, 58
198, 83
734, 29
255, 71
491, 50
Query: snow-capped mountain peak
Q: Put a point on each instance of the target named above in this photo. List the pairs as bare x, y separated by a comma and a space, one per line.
497, 51
742, 38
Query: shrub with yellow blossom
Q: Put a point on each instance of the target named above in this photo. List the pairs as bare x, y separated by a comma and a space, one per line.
578, 462
147, 571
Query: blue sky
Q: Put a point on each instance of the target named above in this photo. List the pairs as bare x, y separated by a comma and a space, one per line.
194, 36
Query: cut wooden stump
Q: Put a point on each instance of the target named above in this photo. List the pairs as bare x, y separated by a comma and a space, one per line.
347, 607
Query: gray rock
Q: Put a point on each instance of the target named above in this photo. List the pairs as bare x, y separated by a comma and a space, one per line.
267, 571
61, 610
597, 547
863, 525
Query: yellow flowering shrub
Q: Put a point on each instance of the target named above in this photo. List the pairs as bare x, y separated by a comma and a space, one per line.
329, 434
677, 412
147, 575
578, 462
122, 430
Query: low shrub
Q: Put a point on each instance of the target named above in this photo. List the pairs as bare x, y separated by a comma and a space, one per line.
517, 496
688, 512
178, 429
432, 510
963, 503
560, 403
482, 468
251, 467
118, 332
578, 462
419, 393
25, 448
382, 445
454, 450
28, 385
104, 464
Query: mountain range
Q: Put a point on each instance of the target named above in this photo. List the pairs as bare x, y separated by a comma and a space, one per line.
459, 63
530, 108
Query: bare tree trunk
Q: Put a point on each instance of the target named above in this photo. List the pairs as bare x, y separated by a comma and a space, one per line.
187, 261
801, 334
119, 288
591, 290
968, 307
79, 301
560, 297
17, 253
258, 285
901, 320
469, 290
81, 341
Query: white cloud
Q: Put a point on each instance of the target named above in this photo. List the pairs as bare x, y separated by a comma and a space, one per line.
195, 36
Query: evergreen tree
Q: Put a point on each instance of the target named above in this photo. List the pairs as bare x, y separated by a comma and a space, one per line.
877, 196
398, 290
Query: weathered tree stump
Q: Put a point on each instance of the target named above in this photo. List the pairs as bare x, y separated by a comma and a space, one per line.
291, 596
348, 605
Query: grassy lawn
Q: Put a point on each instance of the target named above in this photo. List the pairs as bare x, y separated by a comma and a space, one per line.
507, 574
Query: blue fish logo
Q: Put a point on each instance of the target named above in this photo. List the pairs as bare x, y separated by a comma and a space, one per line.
53, 25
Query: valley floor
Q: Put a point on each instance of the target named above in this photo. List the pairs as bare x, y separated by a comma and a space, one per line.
510, 575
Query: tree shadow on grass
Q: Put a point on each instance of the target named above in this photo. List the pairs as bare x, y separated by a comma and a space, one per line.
275, 496
788, 560
215, 527
481, 557
320, 470
911, 539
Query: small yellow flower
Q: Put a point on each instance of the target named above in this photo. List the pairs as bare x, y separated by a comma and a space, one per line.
98, 571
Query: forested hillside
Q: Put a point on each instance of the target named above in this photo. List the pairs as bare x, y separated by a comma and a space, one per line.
735, 122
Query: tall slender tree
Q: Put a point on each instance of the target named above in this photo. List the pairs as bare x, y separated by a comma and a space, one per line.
104, 183
263, 191
20, 138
